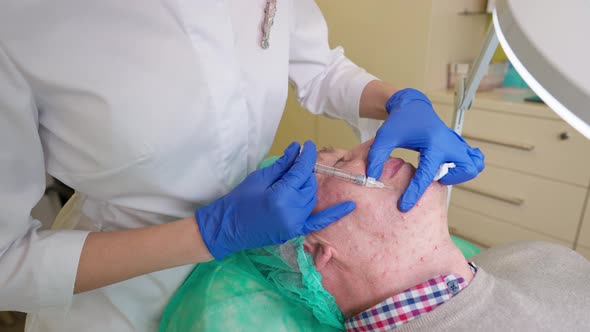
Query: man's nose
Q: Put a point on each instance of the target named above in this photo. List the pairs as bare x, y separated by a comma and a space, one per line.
362, 151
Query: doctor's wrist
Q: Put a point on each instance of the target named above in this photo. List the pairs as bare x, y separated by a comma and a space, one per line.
402, 97
373, 99
192, 241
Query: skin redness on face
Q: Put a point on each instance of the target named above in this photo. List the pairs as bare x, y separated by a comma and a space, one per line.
396, 174
375, 208
376, 231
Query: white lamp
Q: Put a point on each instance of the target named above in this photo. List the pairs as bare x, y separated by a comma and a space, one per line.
548, 43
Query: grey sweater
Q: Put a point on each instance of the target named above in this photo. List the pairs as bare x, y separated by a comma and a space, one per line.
528, 286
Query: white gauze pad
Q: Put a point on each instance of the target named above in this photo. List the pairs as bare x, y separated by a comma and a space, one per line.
443, 170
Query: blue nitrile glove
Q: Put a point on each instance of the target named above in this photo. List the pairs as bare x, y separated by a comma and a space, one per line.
270, 206
413, 124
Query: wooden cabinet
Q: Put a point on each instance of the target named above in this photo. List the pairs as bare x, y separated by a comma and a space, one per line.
583, 244
535, 185
534, 203
539, 146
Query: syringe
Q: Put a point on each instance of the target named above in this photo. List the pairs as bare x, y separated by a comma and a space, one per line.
350, 177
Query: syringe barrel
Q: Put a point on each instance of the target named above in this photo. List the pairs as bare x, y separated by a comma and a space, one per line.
332, 171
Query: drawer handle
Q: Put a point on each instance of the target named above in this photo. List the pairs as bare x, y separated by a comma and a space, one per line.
519, 146
564, 136
506, 199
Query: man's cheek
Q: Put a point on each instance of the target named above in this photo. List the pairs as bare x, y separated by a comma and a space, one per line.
326, 200
330, 194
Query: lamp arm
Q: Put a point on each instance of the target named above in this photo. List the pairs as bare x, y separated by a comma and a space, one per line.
467, 86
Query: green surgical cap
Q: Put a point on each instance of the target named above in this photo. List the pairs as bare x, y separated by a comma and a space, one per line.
275, 288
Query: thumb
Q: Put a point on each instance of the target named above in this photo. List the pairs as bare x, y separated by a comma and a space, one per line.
464, 172
478, 158
378, 153
427, 168
323, 218
275, 171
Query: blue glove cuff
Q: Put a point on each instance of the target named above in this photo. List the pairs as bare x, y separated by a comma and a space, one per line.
209, 232
402, 97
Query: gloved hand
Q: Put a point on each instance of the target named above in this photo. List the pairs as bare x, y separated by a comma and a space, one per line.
270, 206
413, 124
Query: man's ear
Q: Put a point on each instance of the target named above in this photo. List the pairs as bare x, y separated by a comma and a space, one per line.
322, 253
322, 256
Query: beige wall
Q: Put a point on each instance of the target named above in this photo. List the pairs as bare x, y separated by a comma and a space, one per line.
452, 38
407, 43
380, 34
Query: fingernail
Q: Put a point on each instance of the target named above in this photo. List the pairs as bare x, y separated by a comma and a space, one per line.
477, 152
350, 206
290, 149
370, 171
293, 145
407, 201
404, 206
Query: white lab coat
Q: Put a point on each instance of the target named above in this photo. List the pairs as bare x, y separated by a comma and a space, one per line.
148, 109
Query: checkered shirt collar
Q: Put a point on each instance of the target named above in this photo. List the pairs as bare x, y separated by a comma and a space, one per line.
408, 305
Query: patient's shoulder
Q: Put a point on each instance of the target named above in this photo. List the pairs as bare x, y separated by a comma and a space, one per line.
533, 257
528, 250
542, 281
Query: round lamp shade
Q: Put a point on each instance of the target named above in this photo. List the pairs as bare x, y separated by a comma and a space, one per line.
548, 42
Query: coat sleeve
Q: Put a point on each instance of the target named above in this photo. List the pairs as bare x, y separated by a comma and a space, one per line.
326, 82
37, 268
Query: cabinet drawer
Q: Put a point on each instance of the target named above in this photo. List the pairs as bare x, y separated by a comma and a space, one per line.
584, 252
487, 231
584, 239
540, 205
528, 144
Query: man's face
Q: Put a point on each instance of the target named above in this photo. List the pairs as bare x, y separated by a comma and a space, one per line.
375, 208
376, 234
396, 174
